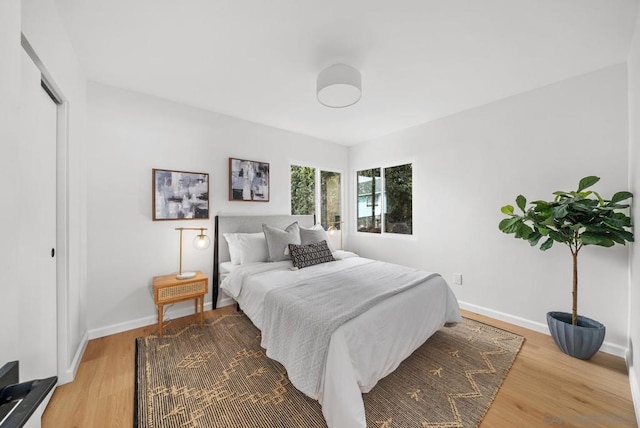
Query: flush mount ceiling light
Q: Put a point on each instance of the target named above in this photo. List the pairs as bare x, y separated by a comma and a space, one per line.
339, 86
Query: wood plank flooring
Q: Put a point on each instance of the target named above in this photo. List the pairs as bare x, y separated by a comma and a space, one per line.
544, 387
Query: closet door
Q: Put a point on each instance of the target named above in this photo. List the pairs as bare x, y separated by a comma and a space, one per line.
37, 206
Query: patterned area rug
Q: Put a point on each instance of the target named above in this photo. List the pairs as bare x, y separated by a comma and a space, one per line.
217, 375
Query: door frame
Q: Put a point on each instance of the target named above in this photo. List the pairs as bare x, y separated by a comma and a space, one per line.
62, 212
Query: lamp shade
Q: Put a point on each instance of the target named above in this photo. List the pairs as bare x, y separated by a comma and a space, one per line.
201, 241
339, 86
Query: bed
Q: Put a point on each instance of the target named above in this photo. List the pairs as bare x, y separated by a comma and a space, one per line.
356, 352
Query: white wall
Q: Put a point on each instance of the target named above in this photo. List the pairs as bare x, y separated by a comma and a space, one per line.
9, 172
39, 23
42, 27
633, 356
131, 133
470, 164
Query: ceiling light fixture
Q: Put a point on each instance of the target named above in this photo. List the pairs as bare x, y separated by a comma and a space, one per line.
339, 86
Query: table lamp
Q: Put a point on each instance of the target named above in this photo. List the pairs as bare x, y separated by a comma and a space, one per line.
201, 242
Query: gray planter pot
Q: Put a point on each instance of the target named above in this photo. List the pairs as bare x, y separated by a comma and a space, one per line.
580, 341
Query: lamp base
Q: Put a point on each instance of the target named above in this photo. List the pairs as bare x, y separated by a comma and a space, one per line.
185, 275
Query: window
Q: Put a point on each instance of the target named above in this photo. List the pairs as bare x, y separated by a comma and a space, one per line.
303, 190
311, 188
398, 190
385, 197
330, 194
369, 209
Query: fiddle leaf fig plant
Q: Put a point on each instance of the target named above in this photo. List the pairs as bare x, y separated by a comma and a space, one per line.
575, 219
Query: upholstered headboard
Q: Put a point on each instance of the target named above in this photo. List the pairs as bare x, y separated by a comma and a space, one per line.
245, 224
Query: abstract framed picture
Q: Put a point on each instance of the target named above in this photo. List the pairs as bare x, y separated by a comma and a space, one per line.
180, 195
248, 180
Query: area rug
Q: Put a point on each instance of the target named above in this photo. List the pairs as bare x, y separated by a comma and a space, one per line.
217, 375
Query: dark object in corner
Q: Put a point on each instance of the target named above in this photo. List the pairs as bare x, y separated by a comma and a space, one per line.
18, 401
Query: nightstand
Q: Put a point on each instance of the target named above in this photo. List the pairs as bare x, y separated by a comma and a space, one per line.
169, 289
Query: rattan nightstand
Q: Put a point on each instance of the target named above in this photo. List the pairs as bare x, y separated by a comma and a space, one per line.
169, 289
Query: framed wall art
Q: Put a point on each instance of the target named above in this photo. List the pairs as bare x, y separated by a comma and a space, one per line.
180, 195
248, 180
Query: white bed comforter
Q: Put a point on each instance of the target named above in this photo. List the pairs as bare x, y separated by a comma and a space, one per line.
365, 348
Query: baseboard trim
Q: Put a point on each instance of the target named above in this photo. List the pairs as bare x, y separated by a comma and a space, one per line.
634, 383
142, 322
609, 348
227, 301
70, 374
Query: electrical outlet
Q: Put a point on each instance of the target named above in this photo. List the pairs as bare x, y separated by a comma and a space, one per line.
457, 278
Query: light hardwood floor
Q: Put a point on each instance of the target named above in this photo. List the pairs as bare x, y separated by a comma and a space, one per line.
544, 387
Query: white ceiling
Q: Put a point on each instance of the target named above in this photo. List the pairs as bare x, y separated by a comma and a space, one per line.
420, 59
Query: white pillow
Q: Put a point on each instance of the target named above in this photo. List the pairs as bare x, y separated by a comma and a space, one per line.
247, 247
234, 251
341, 255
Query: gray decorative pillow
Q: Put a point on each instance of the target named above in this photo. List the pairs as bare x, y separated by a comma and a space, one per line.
309, 255
278, 239
313, 235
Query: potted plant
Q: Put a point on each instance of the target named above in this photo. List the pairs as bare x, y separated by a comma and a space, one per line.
575, 219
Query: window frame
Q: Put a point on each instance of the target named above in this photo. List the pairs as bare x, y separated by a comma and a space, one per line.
318, 188
382, 167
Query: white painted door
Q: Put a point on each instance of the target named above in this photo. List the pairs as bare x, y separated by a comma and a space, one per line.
37, 206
